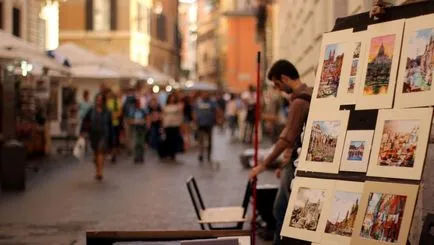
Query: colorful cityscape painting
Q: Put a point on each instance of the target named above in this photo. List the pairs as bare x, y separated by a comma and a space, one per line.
354, 68
383, 217
323, 139
307, 208
398, 143
331, 71
379, 65
420, 62
343, 214
355, 152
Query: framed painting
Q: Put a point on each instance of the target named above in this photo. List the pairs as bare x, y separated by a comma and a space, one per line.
385, 214
344, 206
351, 74
357, 149
323, 141
416, 70
304, 218
328, 75
383, 47
400, 143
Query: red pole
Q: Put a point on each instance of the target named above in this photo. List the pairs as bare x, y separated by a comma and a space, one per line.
256, 143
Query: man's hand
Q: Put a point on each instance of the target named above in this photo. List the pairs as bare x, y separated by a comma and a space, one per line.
256, 170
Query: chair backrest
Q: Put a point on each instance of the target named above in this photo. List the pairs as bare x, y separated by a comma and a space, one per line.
196, 198
247, 195
426, 237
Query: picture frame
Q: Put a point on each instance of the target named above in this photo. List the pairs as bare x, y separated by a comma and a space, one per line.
416, 70
312, 194
357, 149
400, 143
351, 69
333, 56
400, 200
343, 210
323, 141
379, 71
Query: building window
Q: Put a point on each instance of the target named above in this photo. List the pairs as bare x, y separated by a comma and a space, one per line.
161, 27
101, 15
1, 15
16, 22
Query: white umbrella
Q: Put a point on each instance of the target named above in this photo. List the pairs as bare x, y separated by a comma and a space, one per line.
125, 66
32, 58
201, 86
77, 55
94, 72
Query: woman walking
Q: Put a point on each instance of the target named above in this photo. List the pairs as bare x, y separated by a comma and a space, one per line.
154, 124
172, 120
138, 122
97, 124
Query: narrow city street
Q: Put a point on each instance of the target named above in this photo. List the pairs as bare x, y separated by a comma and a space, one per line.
64, 201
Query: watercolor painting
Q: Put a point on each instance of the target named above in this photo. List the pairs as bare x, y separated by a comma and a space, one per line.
379, 65
383, 217
420, 62
323, 140
356, 150
398, 143
343, 214
331, 71
307, 208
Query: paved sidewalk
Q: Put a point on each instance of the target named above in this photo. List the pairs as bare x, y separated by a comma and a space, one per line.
64, 201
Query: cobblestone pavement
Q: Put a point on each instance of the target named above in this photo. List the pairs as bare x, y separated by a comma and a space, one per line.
64, 201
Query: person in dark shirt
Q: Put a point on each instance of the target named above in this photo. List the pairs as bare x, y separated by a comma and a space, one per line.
154, 123
286, 78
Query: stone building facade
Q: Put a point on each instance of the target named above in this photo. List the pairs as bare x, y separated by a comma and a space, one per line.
108, 26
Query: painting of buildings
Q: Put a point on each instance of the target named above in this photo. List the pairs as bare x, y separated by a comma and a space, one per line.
420, 62
307, 208
354, 66
398, 143
323, 140
343, 214
355, 152
331, 71
379, 65
383, 217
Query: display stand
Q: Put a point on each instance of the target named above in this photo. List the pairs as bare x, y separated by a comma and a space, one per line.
366, 119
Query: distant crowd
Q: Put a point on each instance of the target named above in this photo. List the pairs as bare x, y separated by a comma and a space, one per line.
168, 123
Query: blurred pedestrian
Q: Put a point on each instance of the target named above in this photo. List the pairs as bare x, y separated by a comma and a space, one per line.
154, 124
128, 108
138, 124
188, 119
221, 104
172, 120
114, 106
231, 113
250, 99
97, 124
84, 105
205, 114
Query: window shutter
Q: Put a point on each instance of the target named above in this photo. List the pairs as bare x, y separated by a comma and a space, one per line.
89, 15
113, 15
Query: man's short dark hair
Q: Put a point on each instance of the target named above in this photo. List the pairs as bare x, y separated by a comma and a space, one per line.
283, 67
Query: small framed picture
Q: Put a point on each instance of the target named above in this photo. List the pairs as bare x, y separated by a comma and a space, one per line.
381, 65
400, 143
357, 149
305, 215
344, 206
351, 74
416, 70
334, 54
386, 210
323, 141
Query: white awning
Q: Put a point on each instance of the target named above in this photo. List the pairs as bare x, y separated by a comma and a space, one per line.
94, 72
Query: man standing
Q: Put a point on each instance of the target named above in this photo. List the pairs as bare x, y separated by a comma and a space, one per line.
285, 77
205, 112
